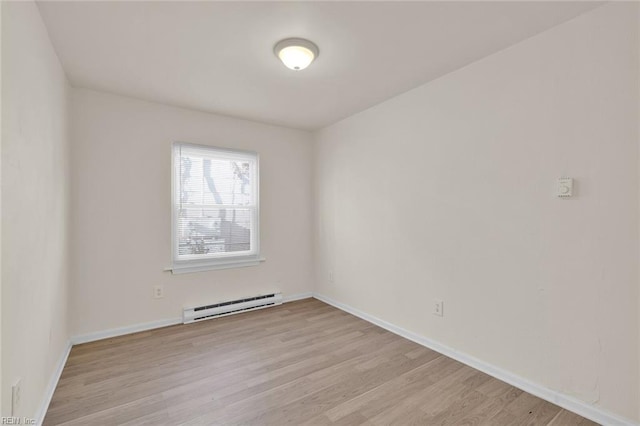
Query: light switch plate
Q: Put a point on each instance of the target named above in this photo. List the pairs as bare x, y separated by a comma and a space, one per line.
564, 188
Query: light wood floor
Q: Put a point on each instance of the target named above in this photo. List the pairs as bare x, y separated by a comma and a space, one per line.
302, 363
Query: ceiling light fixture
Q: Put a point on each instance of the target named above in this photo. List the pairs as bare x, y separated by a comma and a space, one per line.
296, 53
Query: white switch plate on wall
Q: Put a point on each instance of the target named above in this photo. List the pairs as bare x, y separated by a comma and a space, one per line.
564, 188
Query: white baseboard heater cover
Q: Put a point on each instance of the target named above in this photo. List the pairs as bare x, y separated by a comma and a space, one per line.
230, 307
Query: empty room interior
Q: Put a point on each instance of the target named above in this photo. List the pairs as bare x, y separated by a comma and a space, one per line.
320, 213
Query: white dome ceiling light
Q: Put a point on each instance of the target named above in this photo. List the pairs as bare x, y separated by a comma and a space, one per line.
296, 53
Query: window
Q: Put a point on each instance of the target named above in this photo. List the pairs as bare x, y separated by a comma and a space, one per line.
215, 208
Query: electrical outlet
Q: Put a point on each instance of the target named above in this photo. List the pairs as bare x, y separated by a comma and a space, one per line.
438, 307
330, 276
158, 292
16, 395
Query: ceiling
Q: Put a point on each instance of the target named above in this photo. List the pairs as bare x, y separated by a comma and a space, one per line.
218, 56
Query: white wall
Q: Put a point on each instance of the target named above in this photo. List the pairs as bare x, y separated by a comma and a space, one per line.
1, 383
638, 121
35, 200
121, 157
447, 191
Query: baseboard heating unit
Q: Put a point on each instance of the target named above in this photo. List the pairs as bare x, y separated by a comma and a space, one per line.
230, 307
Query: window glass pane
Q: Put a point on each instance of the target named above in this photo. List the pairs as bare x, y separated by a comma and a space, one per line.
213, 230
215, 204
212, 181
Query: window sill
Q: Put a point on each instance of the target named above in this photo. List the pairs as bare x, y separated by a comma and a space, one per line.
189, 267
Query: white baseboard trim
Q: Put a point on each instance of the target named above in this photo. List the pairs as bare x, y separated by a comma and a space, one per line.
570, 403
51, 386
121, 331
298, 296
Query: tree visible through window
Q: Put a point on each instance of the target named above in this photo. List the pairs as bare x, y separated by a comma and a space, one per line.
215, 204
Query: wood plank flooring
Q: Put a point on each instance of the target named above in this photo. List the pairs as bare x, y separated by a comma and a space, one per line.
302, 363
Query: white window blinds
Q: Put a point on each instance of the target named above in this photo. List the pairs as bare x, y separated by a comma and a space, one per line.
215, 199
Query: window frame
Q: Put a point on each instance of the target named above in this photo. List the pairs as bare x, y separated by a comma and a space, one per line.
225, 260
